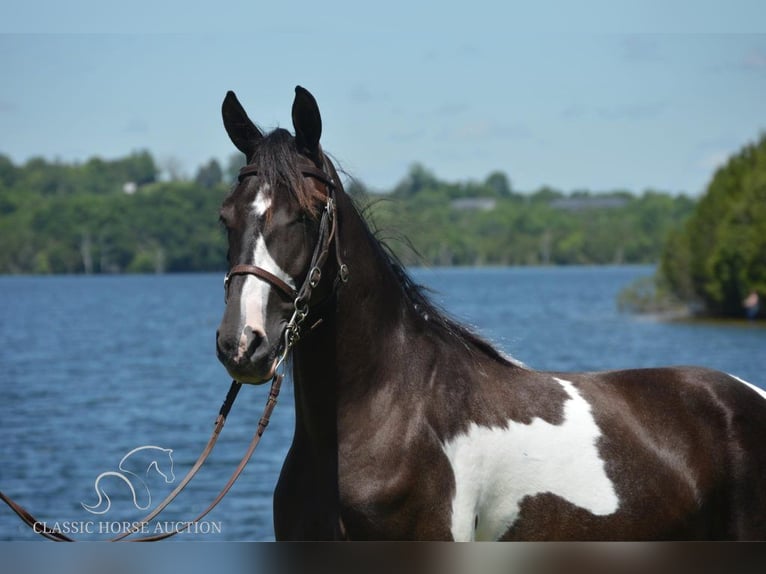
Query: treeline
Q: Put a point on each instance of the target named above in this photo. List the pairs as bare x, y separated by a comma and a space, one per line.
120, 216
488, 223
108, 217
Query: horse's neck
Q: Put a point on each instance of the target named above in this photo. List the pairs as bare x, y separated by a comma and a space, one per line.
314, 376
357, 335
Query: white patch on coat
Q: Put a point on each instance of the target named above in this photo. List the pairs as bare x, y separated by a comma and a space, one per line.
255, 293
262, 201
496, 467
758, 390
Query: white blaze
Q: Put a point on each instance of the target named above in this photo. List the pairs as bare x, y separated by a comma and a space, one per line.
262, 201
255, 291
496, 467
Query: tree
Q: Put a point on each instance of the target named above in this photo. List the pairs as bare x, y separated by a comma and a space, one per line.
210, 174
8, 172
720, 255
418, 179
75, 218
173, 167
546, 194
498, 182
140, 168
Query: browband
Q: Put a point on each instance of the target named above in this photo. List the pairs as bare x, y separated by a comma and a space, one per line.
316, 173
327, 233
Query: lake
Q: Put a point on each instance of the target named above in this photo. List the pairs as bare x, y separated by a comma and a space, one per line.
94, 367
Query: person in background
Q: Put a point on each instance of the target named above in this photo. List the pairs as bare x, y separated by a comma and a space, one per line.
752, 305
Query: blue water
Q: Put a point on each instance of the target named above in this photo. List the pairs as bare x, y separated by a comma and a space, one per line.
93, 367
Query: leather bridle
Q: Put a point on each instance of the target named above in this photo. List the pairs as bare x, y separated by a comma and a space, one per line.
328, 233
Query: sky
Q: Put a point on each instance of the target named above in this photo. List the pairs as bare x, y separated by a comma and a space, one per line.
589, 95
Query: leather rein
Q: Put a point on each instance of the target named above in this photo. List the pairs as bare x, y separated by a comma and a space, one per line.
291, 335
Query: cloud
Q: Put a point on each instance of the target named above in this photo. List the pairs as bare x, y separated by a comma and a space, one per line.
361, 94
755, 59
711, 161
451, 109
7, 107
450, 52
635, 111
484, 129
640, 48
574, 112
404, 136
136, 126
751, 61
622, 112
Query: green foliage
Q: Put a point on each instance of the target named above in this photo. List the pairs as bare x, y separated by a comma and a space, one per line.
209, 175
499, 183
56, 218
650, 295
719, 256
59, 218
487, 223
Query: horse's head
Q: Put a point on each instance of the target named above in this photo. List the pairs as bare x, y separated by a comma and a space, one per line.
163, 464
275, 223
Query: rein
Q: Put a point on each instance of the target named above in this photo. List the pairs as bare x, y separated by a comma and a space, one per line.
291, 335
44, 531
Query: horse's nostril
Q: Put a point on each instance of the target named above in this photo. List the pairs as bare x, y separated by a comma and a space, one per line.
239, 348
255, 338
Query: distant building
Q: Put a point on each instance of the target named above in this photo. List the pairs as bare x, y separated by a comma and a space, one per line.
592, 202
474, 204
129, 187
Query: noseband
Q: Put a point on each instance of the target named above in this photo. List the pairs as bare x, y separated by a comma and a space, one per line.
327, 233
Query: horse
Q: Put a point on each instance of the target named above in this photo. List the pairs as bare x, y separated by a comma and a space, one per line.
126, 467
410, 426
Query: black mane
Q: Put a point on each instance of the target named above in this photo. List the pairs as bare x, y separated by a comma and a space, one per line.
419, 301
277, 160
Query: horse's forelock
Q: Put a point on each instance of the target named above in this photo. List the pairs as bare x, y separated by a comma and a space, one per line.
278, 161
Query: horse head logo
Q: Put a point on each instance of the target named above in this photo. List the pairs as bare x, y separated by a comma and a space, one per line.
139, 461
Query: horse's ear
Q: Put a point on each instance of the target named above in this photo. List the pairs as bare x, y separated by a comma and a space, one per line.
307, 123
243, 132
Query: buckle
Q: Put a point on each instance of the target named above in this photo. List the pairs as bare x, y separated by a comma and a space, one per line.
315, 275
343, 273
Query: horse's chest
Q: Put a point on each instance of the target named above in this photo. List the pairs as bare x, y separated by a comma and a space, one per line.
495, 468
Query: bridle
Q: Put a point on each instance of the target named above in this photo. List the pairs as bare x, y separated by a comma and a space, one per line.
328, 231
301, 298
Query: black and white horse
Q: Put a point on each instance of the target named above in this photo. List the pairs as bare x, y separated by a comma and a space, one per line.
409, 426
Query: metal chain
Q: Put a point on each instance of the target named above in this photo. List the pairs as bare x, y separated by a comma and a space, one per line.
292, 332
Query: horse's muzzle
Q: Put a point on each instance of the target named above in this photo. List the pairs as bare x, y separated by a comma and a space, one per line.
248, 358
